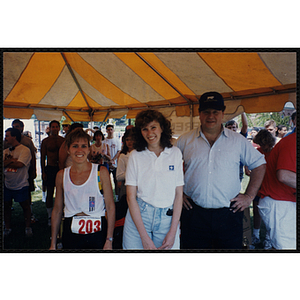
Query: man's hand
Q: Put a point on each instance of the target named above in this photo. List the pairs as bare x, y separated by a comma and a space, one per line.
240, 203
186, 204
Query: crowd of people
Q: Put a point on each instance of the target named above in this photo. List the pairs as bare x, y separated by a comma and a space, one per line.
168, 194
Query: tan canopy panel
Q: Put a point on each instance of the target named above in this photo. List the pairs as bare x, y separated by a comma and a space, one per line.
94, 86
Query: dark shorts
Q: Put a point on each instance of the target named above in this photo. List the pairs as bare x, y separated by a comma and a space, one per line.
51, 172
73, 241
203, 228
18, 195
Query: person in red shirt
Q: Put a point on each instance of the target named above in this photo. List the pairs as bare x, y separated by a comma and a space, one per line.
265, 142
277, 205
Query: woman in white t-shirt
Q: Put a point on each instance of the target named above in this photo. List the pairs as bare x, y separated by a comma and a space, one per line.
154, 185
79, 196
100, 153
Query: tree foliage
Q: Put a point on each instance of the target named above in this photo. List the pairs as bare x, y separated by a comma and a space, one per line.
258, 120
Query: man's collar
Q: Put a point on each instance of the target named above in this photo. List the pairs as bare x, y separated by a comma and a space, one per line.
225, 132
222, 131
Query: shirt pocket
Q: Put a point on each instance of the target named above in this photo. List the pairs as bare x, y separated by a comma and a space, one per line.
227, 161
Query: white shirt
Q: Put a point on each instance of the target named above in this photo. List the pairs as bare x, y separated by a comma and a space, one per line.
156, 178
114, 146
78, 198
212, 172
16, 179
122, 164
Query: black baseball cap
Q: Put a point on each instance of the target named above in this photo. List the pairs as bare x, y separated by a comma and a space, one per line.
211, 100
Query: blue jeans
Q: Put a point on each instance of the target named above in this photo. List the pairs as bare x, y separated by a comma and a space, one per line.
157, 224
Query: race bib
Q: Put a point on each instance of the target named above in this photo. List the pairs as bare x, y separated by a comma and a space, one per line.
85, 224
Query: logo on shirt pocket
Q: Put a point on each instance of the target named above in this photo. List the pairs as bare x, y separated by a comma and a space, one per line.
171, 168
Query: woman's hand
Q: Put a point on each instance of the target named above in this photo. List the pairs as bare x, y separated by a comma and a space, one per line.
107, 245
168, 242
148, 244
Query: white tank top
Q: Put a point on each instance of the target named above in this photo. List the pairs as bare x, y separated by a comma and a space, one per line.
85, 197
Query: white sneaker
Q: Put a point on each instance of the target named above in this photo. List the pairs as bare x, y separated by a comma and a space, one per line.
267, 244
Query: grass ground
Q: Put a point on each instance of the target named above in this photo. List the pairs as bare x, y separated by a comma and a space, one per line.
244, 185
41, 231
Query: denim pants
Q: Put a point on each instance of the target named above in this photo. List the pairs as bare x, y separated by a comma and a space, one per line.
157, 224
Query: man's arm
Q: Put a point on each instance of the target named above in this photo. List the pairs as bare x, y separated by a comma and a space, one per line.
287, 177
43, 159
116, 156
13, 163
62, 156
242, 201
244, 128
33, 161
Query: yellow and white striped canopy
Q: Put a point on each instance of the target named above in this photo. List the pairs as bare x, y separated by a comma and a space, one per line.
94, 86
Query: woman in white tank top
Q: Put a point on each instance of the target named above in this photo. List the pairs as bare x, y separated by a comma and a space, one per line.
77, 193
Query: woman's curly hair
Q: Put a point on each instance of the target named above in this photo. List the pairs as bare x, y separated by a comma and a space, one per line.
128, 133
143, 119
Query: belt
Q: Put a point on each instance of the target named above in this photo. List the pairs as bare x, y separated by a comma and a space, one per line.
207, 208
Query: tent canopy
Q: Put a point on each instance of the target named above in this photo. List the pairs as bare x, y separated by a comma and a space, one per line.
94, 86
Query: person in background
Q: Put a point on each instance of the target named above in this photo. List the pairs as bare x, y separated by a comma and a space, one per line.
212, 217
253, 133
66, 127
50, 154
233, 125
84, 205
281, 131
266, 142
121, 205
115, 149
128, 146
294, 121
27, 141
44, 188
100, 152
270, 125
64, 160
91, 131
28, 134
16, 162
277, 204
154, 185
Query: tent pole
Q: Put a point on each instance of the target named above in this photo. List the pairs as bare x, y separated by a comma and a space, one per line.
169, 83
104, 119
191, 117
75, 80
68, 116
